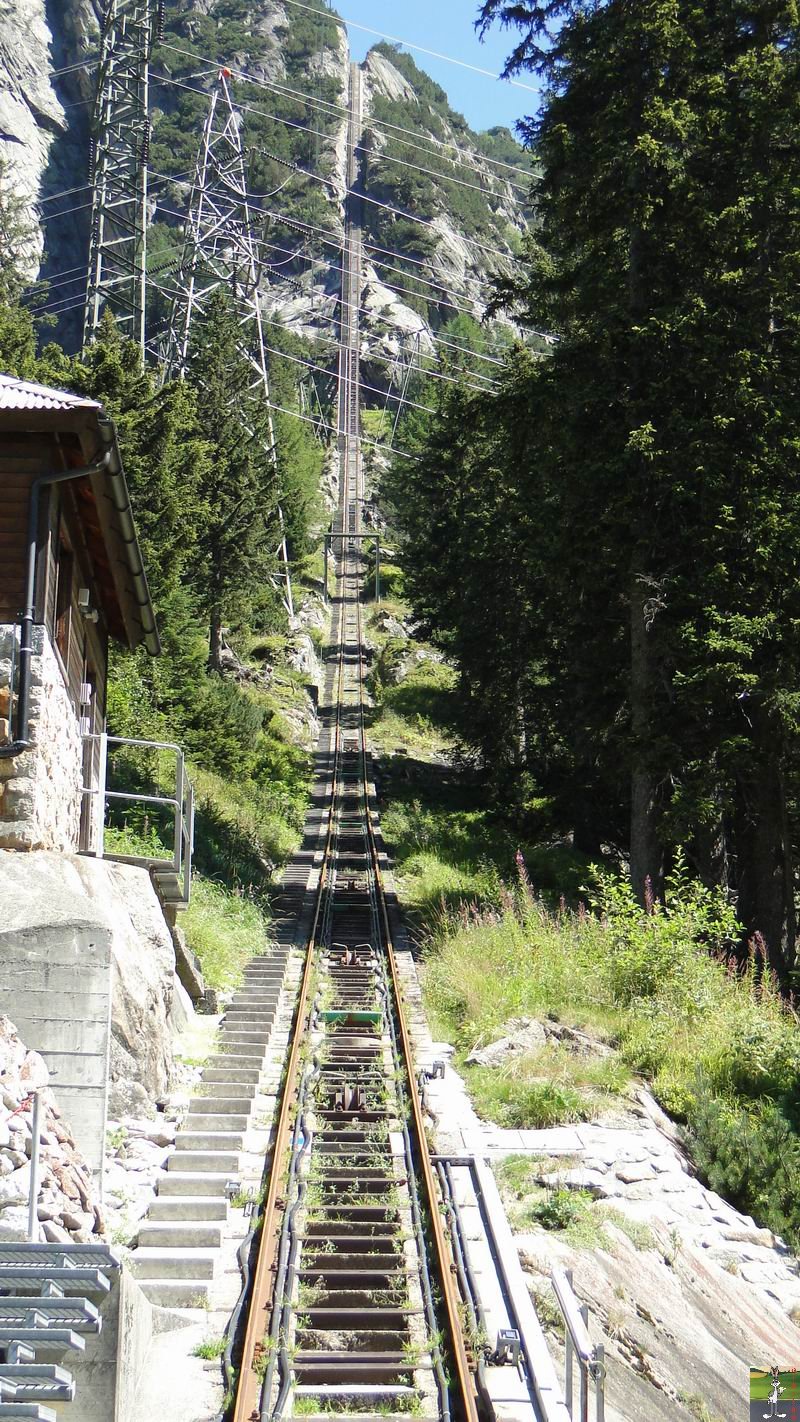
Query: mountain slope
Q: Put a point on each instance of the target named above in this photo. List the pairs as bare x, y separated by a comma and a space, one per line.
458, 198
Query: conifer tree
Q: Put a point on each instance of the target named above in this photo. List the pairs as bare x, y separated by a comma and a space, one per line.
663, 456
238, 489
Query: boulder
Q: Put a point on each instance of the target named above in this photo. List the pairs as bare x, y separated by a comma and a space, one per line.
65, 1207
521, 1035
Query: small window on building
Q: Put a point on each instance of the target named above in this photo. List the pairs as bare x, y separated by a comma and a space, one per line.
63, 598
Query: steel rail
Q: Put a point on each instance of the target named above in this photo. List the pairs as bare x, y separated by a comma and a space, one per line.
248, 1388
444, 1259
269, 1298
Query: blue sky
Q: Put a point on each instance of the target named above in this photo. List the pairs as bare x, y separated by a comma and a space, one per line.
447, 26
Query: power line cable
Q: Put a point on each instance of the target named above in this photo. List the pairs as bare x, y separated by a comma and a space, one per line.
432, 53
331, 108
506, 256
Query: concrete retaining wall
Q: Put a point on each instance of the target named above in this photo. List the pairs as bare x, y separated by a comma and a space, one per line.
56, 985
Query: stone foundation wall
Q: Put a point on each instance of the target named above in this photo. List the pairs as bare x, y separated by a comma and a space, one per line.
40, 789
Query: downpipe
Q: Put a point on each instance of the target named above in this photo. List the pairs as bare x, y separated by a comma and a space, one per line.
22, 738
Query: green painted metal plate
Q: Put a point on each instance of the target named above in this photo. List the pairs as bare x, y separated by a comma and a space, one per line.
346, 1016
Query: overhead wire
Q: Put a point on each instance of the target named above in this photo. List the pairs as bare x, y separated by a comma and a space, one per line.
331, 108
320, 319
316, 422
505, 256
390, 286
340, 244
432, 53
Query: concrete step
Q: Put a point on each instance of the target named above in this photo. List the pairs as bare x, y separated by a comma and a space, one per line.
216, 1122
249, 1054
221, 1100
185, 1208
173, 1263
200, 1183
176, 1293
245, 1032
209, 1140
249, 1075
240, 1093
260, 1017
204, 1161
215, 1107
180, 1235
241, 1041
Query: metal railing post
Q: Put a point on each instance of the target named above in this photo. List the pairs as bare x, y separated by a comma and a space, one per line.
33, 1196
600, 1382
179, 794
568, 1354
584, 1393
578, 1347
187, 860
377, 568
100, 799
326, 545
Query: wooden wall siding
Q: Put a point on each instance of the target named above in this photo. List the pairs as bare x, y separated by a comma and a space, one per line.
18, 466
20, 462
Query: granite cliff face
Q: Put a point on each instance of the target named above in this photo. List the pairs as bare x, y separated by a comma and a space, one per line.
463, 200
46, 94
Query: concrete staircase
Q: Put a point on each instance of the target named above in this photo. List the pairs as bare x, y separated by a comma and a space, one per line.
179, 1244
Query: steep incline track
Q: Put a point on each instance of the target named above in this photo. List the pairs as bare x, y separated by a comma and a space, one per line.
353, 1309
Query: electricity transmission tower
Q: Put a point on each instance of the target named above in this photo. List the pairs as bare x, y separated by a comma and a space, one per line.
220, 250
121, 142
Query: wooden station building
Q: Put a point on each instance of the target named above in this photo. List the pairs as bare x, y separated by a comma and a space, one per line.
71, 579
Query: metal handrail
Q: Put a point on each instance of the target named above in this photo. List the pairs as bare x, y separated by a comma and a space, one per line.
590, 1357
181, 803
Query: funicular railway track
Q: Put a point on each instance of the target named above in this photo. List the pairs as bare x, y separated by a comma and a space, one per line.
353, 1307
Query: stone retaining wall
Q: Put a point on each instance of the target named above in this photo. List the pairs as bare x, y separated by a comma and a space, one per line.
40, 790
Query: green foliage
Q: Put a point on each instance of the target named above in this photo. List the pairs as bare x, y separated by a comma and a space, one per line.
750, 1155
515, 1102
434, 176
718, 1043
655, 953
606, 548
225, 930
211, 1347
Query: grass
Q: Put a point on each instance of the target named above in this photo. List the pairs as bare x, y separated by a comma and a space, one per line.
713, 1036
226, 930
572, 1213
717, 1041
411, 712
698, 1407
547, 1088
210, 1347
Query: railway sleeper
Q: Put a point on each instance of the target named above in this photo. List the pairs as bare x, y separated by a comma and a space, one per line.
344, 1367
360, 1339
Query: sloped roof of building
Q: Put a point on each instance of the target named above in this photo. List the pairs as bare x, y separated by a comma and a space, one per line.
25, 395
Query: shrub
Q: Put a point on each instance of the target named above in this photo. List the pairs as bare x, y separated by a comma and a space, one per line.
225, 929
751, 1156
511, 1101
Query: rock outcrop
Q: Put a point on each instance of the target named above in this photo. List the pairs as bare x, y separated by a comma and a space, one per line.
683, 1290
89, 977
46, 98
67, 1209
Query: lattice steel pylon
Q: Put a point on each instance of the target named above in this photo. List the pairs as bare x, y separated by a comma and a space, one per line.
220, 250
121, 142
